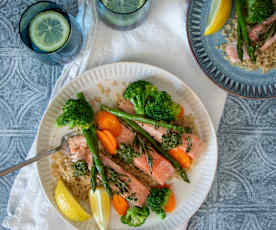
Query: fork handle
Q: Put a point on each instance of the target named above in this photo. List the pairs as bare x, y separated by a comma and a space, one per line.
26, 162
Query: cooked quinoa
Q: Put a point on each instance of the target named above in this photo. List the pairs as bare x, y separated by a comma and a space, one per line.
62, 168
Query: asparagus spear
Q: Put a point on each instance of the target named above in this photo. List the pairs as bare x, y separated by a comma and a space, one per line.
93, 171
92, 142
135, 117
93, 177
158, 147
242, 25
240, 43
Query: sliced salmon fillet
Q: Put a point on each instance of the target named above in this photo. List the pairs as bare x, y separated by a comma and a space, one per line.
156, 133
126, 106
135, 186
192, 145
126, 136
268, 43
162, 170
78, 148
81, 151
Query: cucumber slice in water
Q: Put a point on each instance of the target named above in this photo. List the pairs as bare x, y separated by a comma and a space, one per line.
49, 30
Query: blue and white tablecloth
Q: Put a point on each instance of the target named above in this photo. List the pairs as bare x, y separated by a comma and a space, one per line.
25, 88
244, 193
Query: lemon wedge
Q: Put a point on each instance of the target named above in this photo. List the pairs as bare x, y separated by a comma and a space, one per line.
100, 207
218, 15
68, 205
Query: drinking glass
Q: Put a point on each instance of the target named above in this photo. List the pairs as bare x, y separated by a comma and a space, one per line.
50, 32
123, 14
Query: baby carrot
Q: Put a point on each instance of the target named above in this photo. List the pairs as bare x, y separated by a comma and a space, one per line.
108, 121
120, 204
181, 113
182, 157
108, 141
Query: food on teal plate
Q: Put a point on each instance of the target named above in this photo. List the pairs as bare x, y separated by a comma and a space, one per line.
250, 35
127, 154
258, 10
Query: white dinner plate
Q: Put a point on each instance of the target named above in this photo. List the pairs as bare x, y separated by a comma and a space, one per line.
106, 83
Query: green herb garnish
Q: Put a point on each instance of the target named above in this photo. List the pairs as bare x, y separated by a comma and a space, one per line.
189, 144
171, 140
116, 179
131, 197
80, 168
127, 153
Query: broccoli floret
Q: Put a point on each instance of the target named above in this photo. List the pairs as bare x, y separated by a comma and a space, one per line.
148, 100
162, 107
157, 200
138, 93
80, 168
171, 140
259, 10
77, 113
135, 216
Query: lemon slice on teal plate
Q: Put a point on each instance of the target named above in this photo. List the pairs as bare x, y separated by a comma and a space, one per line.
218, 15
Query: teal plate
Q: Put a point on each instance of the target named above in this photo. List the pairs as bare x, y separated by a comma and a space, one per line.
238, 81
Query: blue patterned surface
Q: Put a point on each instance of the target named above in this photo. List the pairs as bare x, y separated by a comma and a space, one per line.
243, 196
25, 88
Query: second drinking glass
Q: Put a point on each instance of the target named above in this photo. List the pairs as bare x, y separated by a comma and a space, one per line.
123, 14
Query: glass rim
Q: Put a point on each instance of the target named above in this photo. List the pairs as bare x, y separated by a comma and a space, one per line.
28, 8
131, 12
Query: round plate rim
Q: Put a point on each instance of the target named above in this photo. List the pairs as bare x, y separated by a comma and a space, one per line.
212, 128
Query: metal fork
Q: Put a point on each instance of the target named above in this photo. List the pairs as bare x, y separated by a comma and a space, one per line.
38, 156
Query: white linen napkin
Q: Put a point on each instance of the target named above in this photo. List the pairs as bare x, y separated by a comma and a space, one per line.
160, 41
